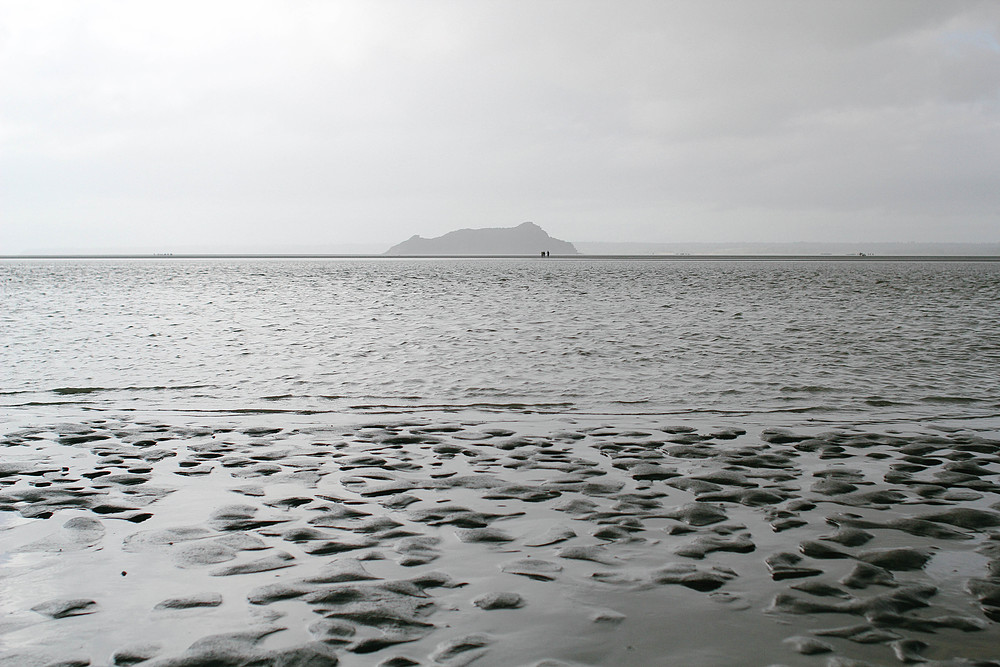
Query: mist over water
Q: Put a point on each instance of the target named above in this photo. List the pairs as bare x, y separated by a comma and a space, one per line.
903, 339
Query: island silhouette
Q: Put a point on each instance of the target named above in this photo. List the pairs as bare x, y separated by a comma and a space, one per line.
525, 239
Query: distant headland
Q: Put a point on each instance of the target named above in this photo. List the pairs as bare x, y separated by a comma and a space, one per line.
525, 239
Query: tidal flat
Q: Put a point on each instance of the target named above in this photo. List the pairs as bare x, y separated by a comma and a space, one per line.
210, 463
176, 540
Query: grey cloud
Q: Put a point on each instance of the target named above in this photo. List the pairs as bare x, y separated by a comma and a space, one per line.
368, 122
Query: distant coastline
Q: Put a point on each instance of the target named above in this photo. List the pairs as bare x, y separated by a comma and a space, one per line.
798, 248
584, 249
579, 257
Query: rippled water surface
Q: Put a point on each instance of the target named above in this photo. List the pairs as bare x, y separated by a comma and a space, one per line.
510, 462
905, 339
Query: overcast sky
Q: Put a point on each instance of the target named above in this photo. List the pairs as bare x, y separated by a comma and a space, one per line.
245, 124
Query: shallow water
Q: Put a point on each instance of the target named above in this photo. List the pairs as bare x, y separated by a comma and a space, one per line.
219, 428
917, 340
580, 517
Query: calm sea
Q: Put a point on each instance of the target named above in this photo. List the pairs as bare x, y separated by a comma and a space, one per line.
817, 339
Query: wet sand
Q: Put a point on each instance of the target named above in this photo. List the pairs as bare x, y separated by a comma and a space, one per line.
443, 539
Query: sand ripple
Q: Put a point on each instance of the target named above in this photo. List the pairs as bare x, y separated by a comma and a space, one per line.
431, 541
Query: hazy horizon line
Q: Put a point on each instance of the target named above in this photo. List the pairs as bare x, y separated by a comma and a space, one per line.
921, 248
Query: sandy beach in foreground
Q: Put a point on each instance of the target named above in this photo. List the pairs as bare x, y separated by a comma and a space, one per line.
444, 539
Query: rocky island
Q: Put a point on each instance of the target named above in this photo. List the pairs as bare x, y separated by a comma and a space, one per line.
525, 239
